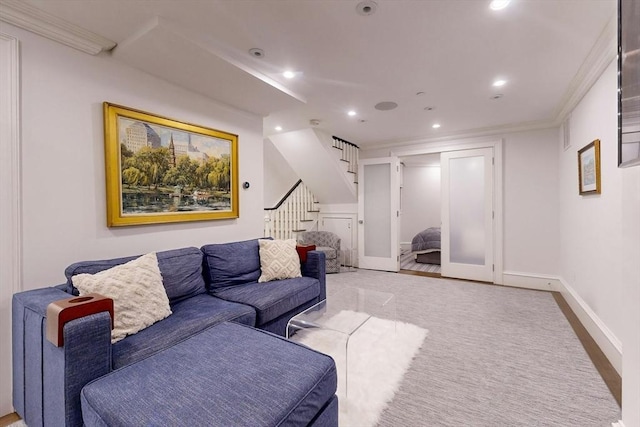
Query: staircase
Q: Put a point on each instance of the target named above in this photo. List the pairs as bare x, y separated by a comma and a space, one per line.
326, 164
297, 211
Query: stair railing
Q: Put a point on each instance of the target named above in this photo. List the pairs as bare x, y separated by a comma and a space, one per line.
295, 212
349, 154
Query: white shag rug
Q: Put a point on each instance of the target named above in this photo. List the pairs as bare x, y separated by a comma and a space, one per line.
379, 353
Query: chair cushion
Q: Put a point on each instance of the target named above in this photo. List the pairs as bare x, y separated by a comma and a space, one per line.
272, 299
181, 271
189, 317
229, 264
227, 375
330, 253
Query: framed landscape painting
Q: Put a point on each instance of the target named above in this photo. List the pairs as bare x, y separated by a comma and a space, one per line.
589, 168
160, 170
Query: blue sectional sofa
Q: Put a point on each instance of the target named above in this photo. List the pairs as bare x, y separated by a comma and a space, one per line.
206, 287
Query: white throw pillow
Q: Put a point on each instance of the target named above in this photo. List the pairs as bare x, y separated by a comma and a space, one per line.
278, 260
139, 297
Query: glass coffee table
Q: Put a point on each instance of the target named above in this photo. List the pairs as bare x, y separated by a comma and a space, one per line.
329, 325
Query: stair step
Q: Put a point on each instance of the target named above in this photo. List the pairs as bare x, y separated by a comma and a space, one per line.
351, 172
344, 160
338, 148
314, 211
306, 220
299, 231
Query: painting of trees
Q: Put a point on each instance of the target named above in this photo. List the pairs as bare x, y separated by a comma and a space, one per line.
162, 170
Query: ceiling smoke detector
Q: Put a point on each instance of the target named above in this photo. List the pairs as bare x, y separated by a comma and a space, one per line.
366, 8
256, 52
314, 122
496, 96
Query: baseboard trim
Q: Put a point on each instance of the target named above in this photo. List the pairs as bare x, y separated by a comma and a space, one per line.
618, 424
601, 334
539, 282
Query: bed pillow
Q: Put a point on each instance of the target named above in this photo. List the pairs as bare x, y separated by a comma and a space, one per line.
139, 297
278, 260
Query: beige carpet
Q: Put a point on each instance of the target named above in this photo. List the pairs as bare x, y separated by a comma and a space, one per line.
495, 356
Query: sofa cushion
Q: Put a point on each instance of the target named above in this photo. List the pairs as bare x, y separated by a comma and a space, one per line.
189, 317
227, 375
181, 271
272, 299
229, 264
139, 299
278, 260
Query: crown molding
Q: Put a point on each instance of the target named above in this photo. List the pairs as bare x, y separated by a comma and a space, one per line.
30, 18
602, 53
466, 134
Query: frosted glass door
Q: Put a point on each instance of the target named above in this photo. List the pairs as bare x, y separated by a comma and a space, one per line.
378, 204
467, 214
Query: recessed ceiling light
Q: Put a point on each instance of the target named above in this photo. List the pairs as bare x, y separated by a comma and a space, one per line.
419, 93
496, 96
351, 113
429, 108
435, 125
499, 4
499, 83
289, 74
278, 128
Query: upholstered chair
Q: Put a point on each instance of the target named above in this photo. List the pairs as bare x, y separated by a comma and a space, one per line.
326, 242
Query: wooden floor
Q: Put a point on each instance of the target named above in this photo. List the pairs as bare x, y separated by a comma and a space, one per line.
600, 361
8, 419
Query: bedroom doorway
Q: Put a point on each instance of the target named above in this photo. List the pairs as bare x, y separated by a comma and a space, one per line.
420, 215
415, 221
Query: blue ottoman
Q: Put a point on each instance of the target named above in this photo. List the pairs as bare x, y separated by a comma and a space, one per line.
227, 375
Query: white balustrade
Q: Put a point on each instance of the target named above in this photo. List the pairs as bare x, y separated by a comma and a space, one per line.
296, 213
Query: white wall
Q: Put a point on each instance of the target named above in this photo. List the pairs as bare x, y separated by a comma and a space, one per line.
591, 236
420, 200
279, 177
63, 195
600, 245
531, 233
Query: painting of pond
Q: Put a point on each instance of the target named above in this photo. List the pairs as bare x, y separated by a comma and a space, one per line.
168, 171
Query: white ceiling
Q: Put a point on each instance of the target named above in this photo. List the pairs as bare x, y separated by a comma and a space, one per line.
451, 50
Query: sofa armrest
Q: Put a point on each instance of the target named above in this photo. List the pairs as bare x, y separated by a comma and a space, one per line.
316, 267
48, 379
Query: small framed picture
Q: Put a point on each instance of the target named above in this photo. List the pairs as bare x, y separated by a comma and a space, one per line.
589, 168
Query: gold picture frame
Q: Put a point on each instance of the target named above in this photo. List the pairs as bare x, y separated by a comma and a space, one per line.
589, 168
160, 170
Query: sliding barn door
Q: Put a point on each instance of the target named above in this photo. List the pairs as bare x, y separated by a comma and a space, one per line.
467, 214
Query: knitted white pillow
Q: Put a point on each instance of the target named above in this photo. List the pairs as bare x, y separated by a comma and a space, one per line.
278, 260
139, 297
